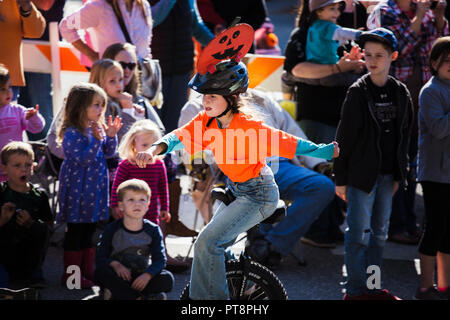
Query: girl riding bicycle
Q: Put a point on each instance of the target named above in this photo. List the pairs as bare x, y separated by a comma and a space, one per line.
240, 143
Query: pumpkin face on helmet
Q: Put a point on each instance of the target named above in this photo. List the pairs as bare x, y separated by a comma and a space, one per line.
230, 44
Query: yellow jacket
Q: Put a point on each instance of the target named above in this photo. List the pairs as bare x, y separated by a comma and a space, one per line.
12, 28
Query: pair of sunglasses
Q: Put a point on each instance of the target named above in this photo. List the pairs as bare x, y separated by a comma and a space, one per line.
130, 65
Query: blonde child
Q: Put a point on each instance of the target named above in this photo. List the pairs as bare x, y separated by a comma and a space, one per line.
14, 118
83, 191
109, 75
140, 137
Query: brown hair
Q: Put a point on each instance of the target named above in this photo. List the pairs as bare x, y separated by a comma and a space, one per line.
79, 99
4, 74
134, 87
135, 185
16, 147
439, 52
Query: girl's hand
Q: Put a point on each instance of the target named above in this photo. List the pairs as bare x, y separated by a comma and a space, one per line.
113, 126
31, 112
121, 270
356, 53
336, 149
126, 100
141, 282
96, 131
345, 64
145, 157
138, 109
165, 216
341, 192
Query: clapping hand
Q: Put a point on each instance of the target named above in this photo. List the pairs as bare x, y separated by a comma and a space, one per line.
31, 112
112, 127
96, 131
356, 53
439, 11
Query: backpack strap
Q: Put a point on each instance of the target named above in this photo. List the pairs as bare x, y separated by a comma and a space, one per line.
122, 24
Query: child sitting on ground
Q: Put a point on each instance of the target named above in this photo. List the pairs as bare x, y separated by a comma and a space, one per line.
14, 118
25, 220
131, 256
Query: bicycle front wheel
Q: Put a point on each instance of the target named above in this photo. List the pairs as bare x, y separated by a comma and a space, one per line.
258, 284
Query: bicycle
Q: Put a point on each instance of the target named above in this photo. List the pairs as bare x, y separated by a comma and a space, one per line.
248, 279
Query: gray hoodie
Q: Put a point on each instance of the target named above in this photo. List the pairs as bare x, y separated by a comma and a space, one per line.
434, 131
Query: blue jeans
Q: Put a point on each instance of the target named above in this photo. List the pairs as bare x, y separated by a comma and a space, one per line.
256, 199
310, 192
368, 223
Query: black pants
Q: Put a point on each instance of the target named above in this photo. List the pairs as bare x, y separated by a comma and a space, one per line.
79, 236
121, 289
22, 250
436, 234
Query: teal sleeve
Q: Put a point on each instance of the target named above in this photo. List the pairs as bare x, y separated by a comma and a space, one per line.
171, 141
308, 148
161, 10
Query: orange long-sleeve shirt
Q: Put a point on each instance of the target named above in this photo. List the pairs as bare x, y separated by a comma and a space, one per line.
240, 150
12, 28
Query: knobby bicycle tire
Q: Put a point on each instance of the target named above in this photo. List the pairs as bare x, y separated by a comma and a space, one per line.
261, 283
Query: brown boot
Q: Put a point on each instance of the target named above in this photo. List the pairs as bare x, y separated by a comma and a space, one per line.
175, 226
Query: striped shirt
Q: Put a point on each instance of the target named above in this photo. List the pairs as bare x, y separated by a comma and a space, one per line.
156, 177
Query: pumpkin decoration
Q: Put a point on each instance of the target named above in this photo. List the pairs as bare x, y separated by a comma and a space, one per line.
231, 44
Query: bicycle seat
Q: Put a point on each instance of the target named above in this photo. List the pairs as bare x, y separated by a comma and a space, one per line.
224, 195
278, 214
